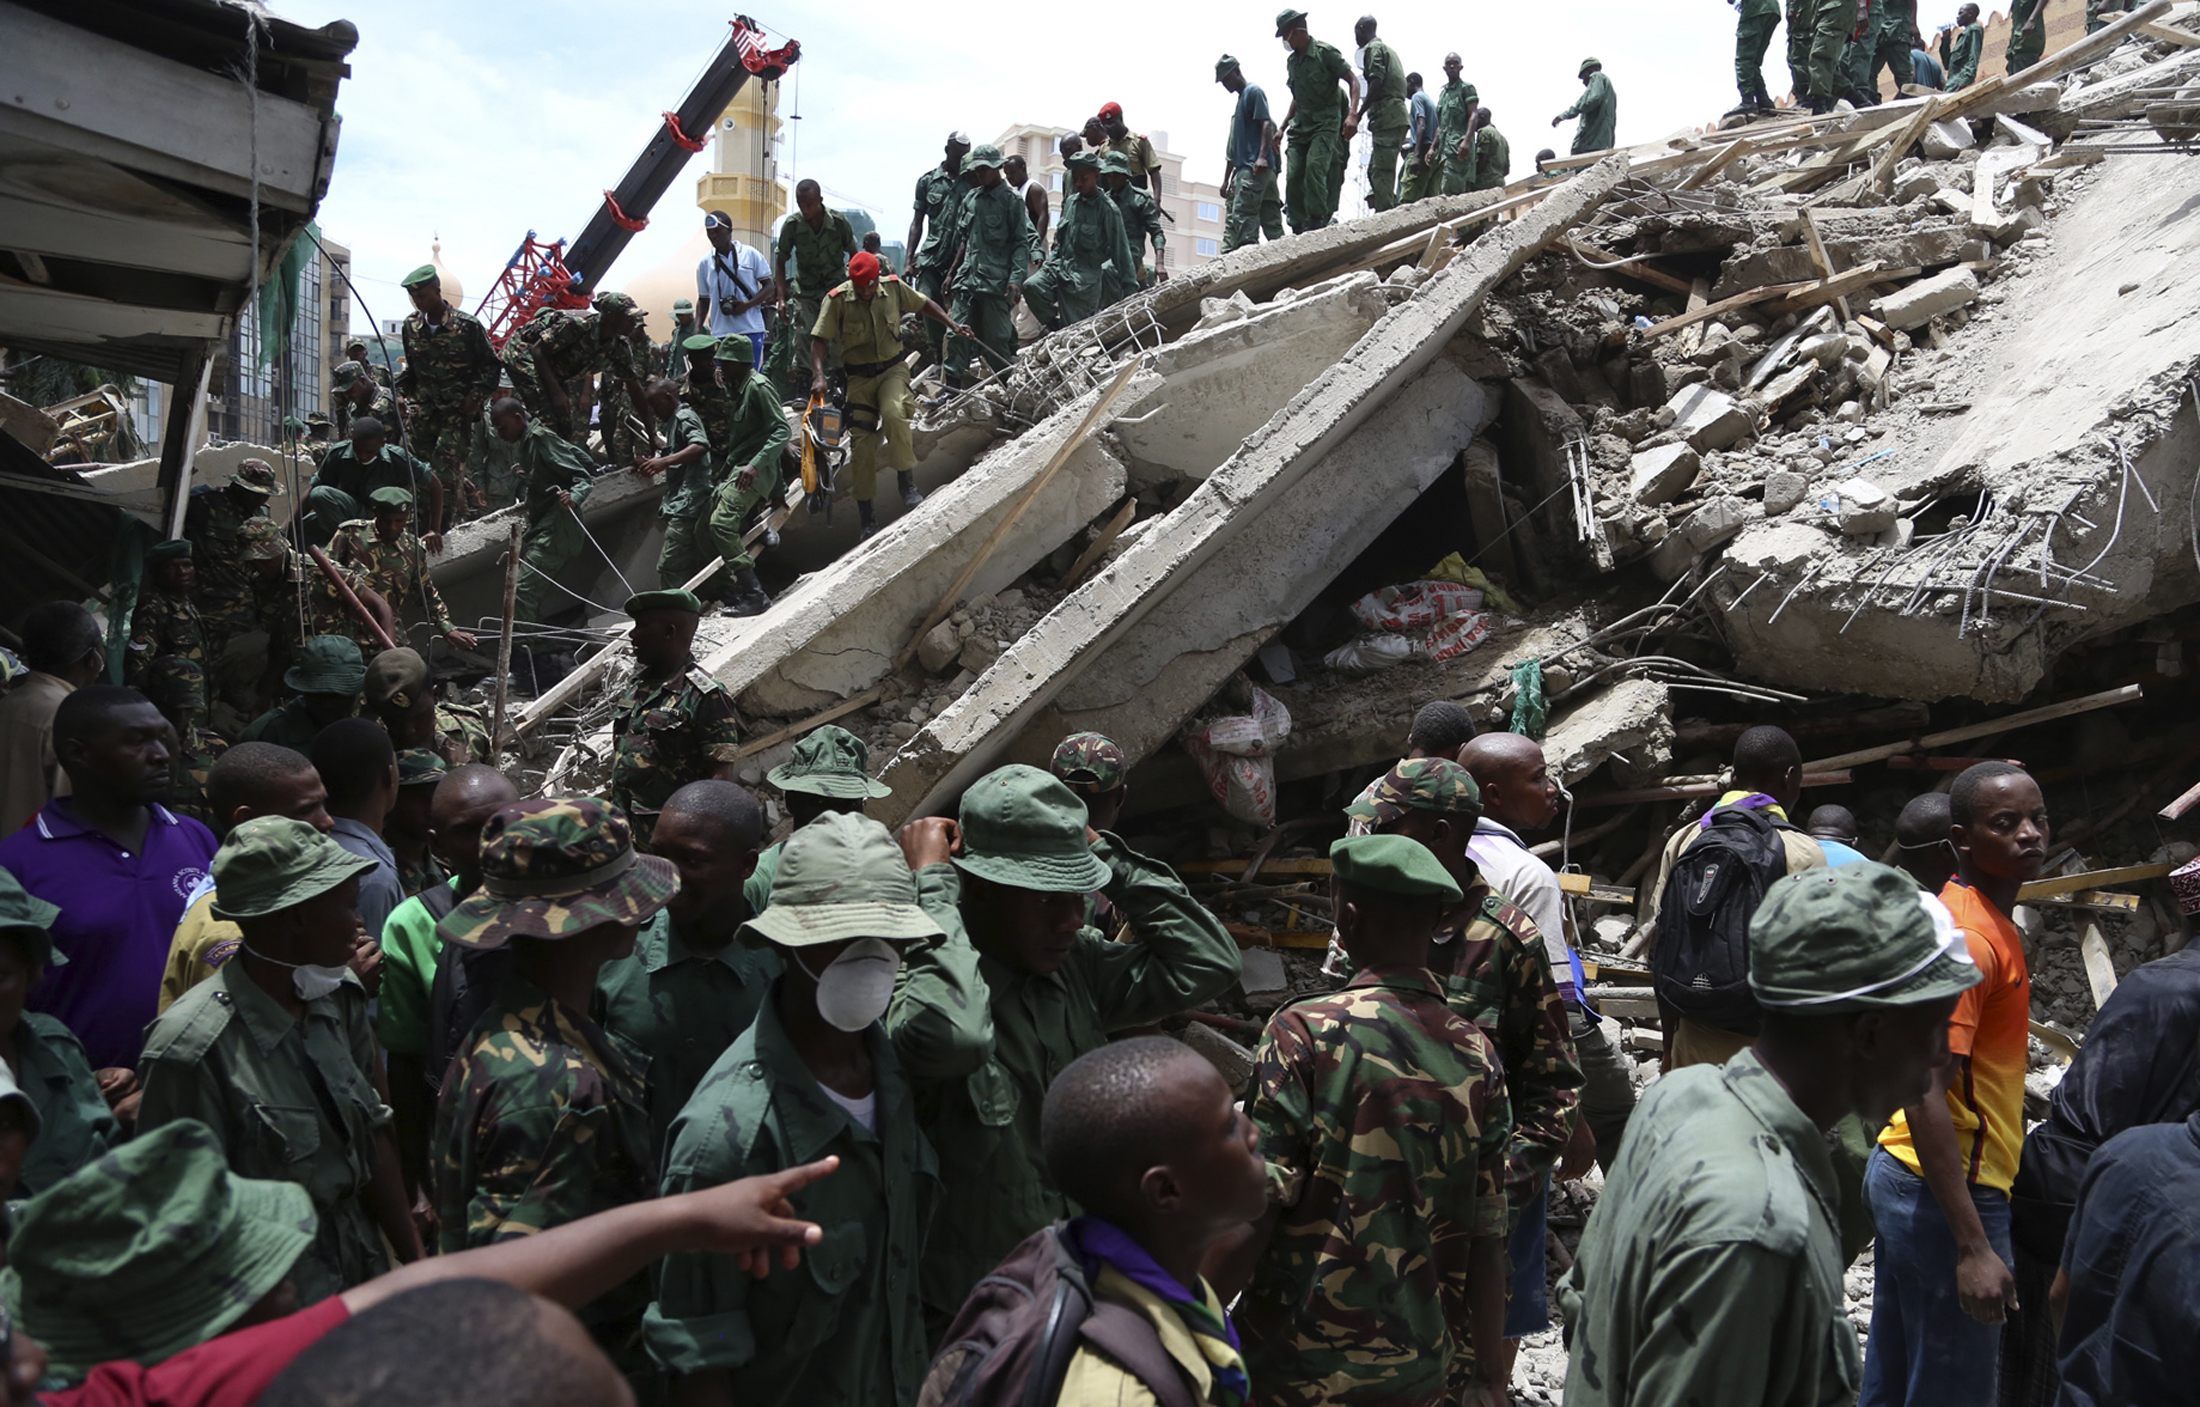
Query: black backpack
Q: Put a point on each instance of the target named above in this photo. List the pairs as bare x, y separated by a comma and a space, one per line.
1012, 1342
1700, 962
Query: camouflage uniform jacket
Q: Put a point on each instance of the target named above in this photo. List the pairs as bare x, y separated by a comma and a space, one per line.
565, 343
674, 1011
1710, 1271
713, 405
985, 1122
666, 733
398, 571
994, 229
292, 1099
165, 627
224, 589
445, 364
462, 734
845, 1327
940, 197
548, 462
1382, 1114
1496, 974
383, 408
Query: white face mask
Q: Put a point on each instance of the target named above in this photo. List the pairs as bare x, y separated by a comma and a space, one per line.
311, 981
854, 989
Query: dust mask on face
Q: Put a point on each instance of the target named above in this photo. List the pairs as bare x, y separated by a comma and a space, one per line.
854, 989
311, 981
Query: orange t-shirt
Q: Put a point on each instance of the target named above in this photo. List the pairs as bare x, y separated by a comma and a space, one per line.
1992, 1025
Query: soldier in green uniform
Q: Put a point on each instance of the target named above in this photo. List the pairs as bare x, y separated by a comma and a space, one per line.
996, 252
1056, 989
1318, 123
673, 723
861, 319
74, 1124
324, 683
360, 392
1249, 163
498, 482
1491, 165
935, 230
350, 473
1818, 36
405, 829
628, 433
1598, 109
1454, 154
705, 393
1379, 1269
820, 241
1091, 261
2027, 34
166, 658
689, 465
829, 772
1752, 36
1140, 217
541, 1120
557, 476
275, 1052
395, 564
450, 372
1711, 1269
683, 327
561, 347
1965, 49
1385, 110
749, 467
235, 633
690, 988
401, 694
878, 992
1883, 40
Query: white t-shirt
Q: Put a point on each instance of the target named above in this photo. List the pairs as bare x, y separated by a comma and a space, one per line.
1505, 862
711, 281
864, 1111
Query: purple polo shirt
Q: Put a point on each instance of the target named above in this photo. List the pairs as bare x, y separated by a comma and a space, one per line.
118, 913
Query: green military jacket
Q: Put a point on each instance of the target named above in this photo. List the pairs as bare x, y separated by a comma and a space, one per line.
398, 571
758, 432
1314, 74
1963, 56
1384, 102
687, 486
986, 1124
549, 462
1454, 110
394, 468
820, 255
1492, 160
674, 1011
846, 1325
940, 199
666, 733
997, 240
446, 363
1598, 109
868, 331
74, 1124
1710, 1272
1496, 974
1382, 1115
1090, 249
285, 725
293, 1100
224, 586
1141, 225
494, 465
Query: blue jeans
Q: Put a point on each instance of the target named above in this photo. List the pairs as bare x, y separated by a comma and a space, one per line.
1528, 1311
1924, 1350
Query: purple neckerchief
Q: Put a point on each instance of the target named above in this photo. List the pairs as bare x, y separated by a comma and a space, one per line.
1098, 1240
1755, 801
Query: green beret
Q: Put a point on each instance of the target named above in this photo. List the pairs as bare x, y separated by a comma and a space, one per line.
175, 549
424, 274
392, 497
1224, 67
1854, 938
1395, 865
700, 342
664, 601
734, 347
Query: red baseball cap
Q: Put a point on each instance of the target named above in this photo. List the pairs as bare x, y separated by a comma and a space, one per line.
1109, 112
863, 268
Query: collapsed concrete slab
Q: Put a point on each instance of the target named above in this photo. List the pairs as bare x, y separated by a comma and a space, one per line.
955, 747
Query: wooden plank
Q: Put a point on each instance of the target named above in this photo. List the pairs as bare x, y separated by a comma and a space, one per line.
1702, 175
1725, 305
1833, 289
2182, 38
816, 720
2100, 969
1100, 545
2091, 879
1824, 261
1905, 137
2107, 698
2176, 810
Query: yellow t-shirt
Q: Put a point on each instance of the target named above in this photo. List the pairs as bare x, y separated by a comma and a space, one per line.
1096, 1380
202, 943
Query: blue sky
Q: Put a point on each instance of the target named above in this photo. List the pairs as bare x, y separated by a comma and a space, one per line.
478, 121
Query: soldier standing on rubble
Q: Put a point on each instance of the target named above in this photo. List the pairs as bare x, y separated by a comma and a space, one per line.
1140, 215
1882, 38
820, 242
351, 472
359, 393
938, 224
1965, 49
673, 724
689, 460
451, 371
1598, 110
166, 659
1752, 36
557, 475
559, 347
1387, 119
2027, 34
1249, 177
1092, 262
862, 320
224, 590
1318, 123
1491, 164
996, 250
393, 561
1455, 105
749, 467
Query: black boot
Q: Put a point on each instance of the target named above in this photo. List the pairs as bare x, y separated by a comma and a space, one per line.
910, 498
749, 598
866, 525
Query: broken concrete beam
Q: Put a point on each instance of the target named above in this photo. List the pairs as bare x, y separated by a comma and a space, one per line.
960, 744
1895, 247
1538, 424
1630, 723
1487, 515
2007, 228
1928, 298
1709, 418
1663, 474
1702, 530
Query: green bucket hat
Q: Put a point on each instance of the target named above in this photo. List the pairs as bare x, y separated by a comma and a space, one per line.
1089, 764
1289, 20
1393, 864
987, 155
29, 919
424, 274
842, 876
392, 497
154, 1248
272, 863
327, 664
420, 766
682, 305
552, 869
1224, 67
1856, 938
256, 476
1435, 784
700, 342
1024, 829
1588, 64
829, 761
395, 678
736, 348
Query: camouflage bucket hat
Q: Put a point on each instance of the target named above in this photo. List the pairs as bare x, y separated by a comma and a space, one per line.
395, 678
272, 863
1089, 764
1855, 938
327, 664
256, 476
29, 920
829, 761
1435, 784
1024, 829
153, 1249
420, 766
842, 876
552, 869
260, 540
607, 302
